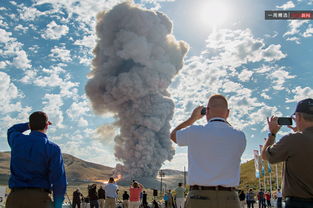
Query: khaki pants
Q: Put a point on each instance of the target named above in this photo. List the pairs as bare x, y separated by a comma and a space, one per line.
180, 202
125, 203
212, 199
28, 198
109, 203
101, 203
134, 204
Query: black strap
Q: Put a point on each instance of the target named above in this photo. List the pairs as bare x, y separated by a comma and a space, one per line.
221, 120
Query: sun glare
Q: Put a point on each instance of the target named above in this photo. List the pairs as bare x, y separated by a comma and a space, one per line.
212, 13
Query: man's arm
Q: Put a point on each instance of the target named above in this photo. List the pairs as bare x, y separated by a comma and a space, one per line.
57, 176
196, 115
16, 130
273, 128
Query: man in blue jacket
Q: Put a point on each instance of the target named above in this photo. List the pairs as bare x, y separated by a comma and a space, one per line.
36, 166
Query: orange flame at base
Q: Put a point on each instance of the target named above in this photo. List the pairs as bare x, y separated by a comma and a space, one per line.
119, 177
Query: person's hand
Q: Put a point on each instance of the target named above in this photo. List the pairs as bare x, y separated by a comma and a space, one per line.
294, 129
196, 113
273, 125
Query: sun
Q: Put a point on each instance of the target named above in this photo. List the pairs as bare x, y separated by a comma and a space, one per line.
212, 13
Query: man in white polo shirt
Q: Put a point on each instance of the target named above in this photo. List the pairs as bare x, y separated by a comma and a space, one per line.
214, 153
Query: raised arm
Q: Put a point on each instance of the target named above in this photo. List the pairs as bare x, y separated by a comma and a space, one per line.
16, 130
196, 115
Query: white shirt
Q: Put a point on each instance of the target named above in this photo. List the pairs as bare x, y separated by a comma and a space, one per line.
279, 194
110, 190
214, 153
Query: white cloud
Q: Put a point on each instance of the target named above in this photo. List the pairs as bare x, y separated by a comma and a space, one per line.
21, 60
240, 47
308, 32
300, 93
52, 106
29, 13
245, 75
5, 36
54, 31
13, 49
60, 54
265, 96
3, 64
294, 26
82, 122
294, 39
279, 77
78, 109
87, 41
8, 95
52, 78
287, 5
179, 161
21, 28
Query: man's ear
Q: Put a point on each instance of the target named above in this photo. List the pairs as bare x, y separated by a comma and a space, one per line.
28, 126
227, 114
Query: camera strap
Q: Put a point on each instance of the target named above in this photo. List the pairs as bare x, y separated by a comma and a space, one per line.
220, 120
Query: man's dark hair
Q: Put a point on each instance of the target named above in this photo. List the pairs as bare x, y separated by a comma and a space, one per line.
180, 184
38, 120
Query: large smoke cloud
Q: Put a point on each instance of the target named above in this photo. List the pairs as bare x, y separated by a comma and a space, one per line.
136, 57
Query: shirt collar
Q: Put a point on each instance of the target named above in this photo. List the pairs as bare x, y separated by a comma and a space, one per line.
38, 133
217, 118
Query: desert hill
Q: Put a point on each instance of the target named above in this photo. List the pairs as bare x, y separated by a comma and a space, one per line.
82, 172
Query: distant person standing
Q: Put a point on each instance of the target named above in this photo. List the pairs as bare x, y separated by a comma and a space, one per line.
36, 166
144, 199
77, 198
134, 190
214, 154
242, 198
268, 199
261, 199
101, 196
279, 198
111, 190
180, 196
170, 203
295, 150
125, 199
250, 198
93, 196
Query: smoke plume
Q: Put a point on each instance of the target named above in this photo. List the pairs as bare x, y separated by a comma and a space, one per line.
136, 57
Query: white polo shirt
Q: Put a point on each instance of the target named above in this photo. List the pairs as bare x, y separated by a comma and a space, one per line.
214, 153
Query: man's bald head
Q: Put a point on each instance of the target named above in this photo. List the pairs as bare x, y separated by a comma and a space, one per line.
217, 107
218, 101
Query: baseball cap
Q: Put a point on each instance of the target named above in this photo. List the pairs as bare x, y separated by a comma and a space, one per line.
305, 106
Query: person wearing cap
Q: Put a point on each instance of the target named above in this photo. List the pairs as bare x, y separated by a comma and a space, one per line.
214, 155
295, 150
36, 166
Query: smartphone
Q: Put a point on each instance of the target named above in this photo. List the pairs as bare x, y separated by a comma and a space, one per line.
203, 111
284, 121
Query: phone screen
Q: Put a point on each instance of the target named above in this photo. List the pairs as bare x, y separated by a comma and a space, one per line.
284, 121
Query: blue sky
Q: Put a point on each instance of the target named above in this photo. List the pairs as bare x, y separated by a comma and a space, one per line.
262, 67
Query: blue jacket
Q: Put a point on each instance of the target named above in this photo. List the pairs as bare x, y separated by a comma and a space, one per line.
36, 161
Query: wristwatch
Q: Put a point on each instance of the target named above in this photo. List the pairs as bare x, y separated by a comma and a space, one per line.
271, 134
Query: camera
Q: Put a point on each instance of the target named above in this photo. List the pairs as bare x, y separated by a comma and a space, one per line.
203, 111
284, 121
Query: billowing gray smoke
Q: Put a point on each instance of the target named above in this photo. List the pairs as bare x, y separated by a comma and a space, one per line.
136, 57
